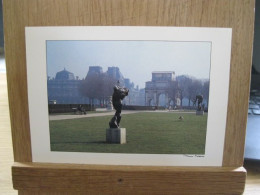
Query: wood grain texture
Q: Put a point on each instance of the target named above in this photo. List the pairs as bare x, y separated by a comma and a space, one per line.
241, 62
6, 152
235, 14
94, 179
16, 78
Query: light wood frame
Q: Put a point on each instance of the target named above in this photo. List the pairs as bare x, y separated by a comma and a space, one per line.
41, 178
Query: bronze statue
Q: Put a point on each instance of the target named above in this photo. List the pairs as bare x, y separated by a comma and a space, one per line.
119, 94
199, 98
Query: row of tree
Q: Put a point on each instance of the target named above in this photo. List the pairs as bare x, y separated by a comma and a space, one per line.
100, 87
188, 87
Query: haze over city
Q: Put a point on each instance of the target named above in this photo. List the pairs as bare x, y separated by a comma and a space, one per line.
136, 59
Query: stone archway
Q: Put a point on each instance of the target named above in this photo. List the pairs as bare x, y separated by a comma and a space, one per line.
151, 102
161, 100
171, 103
162, 83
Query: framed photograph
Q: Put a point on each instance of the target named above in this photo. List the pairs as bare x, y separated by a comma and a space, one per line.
173, 115
172, 76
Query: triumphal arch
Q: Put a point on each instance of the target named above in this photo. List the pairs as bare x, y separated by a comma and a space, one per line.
163, 83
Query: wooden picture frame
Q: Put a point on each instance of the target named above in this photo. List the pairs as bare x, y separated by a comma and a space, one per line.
42, 178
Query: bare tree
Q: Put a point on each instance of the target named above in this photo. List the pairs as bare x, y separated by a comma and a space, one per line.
105, 88
195, 88
173, 91
184, 82
205, 91
88, 89
97, 86
190, 87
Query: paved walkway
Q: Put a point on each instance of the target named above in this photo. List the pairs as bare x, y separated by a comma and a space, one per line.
75, 116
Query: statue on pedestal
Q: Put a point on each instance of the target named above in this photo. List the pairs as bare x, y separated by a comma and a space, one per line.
119, 94
110, 105
199, 99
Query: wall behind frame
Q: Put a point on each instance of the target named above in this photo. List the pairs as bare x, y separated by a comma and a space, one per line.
237, 14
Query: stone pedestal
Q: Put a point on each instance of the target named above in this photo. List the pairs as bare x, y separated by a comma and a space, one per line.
199, 112
116, 135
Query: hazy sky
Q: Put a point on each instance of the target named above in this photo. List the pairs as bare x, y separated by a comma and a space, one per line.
135, 59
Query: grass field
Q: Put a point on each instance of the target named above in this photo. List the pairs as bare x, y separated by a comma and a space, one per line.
147, 132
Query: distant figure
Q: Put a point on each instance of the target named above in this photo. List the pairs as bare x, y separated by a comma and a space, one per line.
119, 94
81, 109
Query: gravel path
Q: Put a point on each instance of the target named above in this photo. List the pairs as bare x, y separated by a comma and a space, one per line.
76, 116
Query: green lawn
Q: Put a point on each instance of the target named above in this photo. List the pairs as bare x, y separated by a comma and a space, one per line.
151, 133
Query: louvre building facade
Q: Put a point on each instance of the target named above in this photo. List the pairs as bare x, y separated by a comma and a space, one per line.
64, 89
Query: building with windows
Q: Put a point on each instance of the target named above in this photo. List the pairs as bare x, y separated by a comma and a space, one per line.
64, 89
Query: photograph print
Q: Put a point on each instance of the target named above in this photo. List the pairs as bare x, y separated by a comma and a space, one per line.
126, 96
